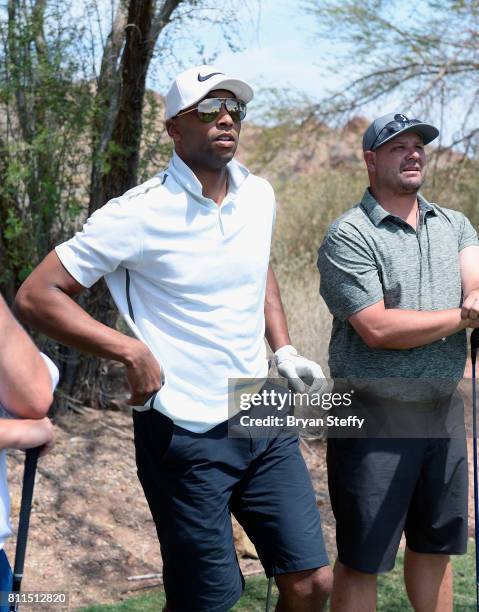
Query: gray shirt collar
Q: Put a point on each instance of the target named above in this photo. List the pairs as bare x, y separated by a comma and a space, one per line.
377, 213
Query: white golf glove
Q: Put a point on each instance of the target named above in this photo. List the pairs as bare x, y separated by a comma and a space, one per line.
299, 370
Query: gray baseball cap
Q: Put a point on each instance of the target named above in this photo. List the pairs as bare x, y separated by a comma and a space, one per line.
389, 126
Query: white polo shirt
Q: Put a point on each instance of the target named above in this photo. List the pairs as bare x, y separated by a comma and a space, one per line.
189, 278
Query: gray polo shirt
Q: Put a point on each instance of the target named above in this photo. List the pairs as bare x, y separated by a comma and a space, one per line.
368, 255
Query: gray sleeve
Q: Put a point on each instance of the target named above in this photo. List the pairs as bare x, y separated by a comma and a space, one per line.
349, 278
467, 234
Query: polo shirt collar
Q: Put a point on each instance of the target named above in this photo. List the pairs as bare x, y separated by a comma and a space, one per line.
425, 206
182, 173
237, 174
377, 213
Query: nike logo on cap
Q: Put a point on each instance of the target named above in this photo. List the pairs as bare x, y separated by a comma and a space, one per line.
207, 76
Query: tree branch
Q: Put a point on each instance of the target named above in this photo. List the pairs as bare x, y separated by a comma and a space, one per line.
162, 19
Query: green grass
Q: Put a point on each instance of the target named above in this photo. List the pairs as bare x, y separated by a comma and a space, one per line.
391, 593
253, 600
151, 602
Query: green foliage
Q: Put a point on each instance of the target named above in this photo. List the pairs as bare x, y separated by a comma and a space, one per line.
114, 150
14, 234
46, 109
13, 227
56, 120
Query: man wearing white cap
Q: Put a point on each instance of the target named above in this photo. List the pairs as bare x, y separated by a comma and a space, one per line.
185, 256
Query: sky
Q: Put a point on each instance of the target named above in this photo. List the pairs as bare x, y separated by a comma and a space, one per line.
277, 39
280, 49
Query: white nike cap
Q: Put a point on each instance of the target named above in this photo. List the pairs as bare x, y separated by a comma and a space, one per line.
192, 86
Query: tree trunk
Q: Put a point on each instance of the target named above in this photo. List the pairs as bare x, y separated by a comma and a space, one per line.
115, 165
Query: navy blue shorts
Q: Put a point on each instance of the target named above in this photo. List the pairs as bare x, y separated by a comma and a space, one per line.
192, 483
382, 487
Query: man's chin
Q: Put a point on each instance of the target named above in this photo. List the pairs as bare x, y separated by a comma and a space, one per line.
220, 160
411, 186
228, 155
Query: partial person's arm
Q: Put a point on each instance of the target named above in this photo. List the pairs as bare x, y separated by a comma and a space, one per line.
469, 262
352, 289
275, 319
397, 328
45, 301
27, 433
25, 382
296, 368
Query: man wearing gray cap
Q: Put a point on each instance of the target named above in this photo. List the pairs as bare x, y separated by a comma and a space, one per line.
186, 259
400, 277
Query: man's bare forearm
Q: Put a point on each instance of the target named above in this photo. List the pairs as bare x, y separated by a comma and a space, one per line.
45, 301
275, 319
395, 328
58, 316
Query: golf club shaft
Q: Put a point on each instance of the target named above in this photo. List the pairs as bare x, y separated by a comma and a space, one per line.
31, 459
268, 595
474, 346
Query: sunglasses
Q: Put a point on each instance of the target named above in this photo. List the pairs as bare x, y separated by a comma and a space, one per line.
209, 109
399, 123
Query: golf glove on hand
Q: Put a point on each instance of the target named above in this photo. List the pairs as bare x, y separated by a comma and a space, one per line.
299, 370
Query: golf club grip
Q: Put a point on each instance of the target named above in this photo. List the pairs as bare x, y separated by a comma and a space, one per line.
25, 508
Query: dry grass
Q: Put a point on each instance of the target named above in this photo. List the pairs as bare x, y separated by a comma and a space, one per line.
306, 207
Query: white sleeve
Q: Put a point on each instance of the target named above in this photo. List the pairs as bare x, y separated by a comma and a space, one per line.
110, 238
52, 369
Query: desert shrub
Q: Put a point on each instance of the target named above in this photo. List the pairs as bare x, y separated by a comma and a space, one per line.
306, 207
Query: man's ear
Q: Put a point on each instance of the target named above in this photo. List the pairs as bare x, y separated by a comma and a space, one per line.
172, 130
370, 160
